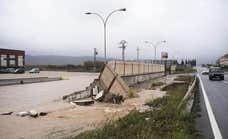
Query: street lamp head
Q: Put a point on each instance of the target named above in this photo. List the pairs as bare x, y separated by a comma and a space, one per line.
88, 13
122, 9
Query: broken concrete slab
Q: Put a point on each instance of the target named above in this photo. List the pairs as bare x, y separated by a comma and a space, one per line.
84, 102
99, 96
43, 113
95, 90
23, 113
33, 113
6, 113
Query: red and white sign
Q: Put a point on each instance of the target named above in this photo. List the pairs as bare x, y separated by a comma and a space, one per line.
164, 55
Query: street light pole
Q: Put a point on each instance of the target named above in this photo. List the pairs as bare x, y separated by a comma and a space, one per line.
155, 46
94, 58
137, 54
104, 21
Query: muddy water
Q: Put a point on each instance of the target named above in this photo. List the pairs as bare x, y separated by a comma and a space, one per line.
64, 119
44, 96
31, 96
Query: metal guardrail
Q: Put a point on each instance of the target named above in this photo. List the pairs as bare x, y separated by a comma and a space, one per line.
188, 93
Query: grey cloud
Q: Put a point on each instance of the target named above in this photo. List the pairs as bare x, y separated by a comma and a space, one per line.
193, 29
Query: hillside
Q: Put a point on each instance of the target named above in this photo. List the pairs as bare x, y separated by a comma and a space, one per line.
57, 60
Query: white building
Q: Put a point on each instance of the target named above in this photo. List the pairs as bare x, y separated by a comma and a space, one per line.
224, 60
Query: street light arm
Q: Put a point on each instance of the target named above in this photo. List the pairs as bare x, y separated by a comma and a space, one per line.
102, 19
155, 44
106, 20
150, 43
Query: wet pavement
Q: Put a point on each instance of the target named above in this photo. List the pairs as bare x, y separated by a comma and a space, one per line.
217, 93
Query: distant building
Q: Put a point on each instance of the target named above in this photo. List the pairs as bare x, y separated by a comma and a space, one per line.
224, 60
12, 58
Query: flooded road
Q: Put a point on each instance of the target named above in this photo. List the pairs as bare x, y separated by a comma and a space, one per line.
38, 95
45, 96
63, 119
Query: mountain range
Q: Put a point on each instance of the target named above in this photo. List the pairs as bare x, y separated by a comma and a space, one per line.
57, 60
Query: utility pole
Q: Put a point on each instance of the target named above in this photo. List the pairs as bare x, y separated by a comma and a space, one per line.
94, 59
123, 46
137, 54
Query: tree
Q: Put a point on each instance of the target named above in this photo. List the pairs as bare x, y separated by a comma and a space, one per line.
182, 62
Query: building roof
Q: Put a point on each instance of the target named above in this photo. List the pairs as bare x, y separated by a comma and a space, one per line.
11, 51
225, 56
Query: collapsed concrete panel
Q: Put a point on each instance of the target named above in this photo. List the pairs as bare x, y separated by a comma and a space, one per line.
116, 77
112, 83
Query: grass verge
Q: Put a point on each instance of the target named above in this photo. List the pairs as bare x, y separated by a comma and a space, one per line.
164, 122
183, 69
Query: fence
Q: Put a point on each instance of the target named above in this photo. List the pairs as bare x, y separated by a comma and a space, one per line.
135, 68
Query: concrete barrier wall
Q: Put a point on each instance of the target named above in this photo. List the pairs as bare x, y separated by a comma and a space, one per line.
135, 68
134, 79
117, 76
173, 68
77, 95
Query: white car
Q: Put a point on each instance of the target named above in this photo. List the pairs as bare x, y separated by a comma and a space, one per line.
205, 72
34, 70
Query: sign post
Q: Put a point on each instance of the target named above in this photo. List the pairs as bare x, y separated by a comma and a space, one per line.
164, 56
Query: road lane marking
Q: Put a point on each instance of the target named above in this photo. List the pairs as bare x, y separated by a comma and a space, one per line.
225, 82
214, 125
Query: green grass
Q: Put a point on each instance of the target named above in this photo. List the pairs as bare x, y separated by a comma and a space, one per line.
183, 69
165, 121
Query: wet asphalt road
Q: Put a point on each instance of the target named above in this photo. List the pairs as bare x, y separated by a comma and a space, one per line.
217, 92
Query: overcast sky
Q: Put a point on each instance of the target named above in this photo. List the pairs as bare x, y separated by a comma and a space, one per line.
192, 28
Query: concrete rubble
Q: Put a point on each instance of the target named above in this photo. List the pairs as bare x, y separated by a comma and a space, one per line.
23, 113
83, 102
6, 113
31, 113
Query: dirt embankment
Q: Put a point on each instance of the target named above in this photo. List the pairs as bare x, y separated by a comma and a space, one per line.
81, 118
